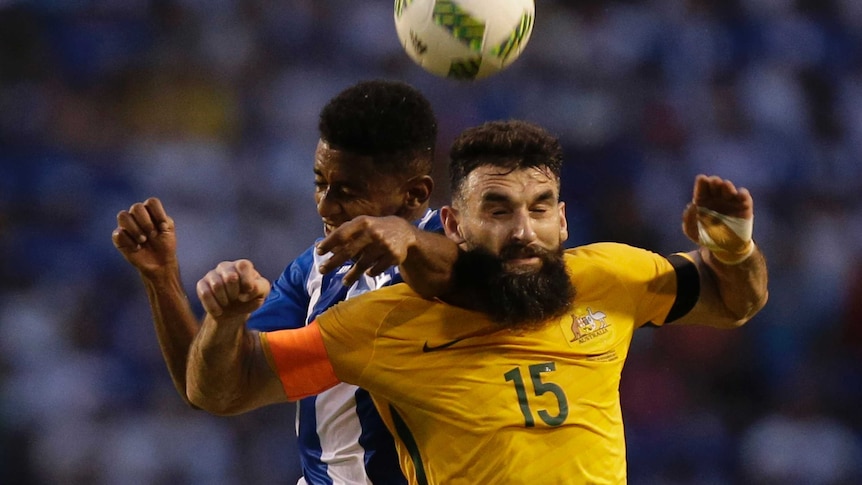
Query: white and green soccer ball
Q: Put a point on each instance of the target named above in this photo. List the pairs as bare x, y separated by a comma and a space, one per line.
464, 39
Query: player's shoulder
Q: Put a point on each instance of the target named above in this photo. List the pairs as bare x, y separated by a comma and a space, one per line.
599, 250
379, 304
301, 266
609, 255
389, 294
306, 258
385, 298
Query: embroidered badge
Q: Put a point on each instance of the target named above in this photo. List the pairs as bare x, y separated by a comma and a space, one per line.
589, 326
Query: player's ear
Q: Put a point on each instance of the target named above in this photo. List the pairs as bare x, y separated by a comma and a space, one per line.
564, 226
449, 217
418, 191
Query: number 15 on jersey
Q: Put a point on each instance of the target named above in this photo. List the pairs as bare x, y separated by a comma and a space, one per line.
540, 387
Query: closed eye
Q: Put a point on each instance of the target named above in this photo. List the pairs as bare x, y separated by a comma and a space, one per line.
339, 191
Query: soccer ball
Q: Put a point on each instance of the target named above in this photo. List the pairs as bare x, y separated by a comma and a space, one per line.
464, 39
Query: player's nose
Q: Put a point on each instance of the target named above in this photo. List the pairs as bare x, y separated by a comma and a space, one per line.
522, 227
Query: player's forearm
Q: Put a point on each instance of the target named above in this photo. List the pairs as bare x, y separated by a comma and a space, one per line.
741, 288
223, 367
175, 323
429, 263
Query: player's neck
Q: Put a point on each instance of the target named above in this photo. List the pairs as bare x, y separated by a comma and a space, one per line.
415, 214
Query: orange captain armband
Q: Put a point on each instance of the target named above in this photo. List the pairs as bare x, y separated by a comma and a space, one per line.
300, 360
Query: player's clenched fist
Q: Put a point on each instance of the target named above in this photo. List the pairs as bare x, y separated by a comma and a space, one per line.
721, 218
145, 236
232, 288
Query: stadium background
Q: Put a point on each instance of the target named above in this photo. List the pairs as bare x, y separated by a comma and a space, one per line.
211, 105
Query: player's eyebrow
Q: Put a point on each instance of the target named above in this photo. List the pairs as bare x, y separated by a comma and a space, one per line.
546, 196
495, 197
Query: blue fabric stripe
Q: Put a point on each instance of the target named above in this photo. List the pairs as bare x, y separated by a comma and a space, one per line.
313, 469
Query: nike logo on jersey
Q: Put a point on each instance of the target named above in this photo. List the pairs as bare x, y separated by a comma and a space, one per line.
428, 348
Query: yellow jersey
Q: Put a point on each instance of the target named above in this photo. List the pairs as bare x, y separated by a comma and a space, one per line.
471, 403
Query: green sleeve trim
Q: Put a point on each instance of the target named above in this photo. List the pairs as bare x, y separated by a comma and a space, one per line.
406, 437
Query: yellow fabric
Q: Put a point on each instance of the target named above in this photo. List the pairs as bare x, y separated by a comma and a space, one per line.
468, 406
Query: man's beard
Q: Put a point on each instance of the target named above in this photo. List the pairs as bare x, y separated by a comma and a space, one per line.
514, 300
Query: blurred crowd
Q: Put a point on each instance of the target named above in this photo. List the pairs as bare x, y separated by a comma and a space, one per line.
211, 105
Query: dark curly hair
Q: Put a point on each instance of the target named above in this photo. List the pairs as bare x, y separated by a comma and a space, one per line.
390, 121
510, 145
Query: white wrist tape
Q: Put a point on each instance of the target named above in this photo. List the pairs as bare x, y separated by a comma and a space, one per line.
727, 237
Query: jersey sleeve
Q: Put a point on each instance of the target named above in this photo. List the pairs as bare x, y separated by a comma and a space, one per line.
349, 330
300, 360
659, 285
286, 306
662, 289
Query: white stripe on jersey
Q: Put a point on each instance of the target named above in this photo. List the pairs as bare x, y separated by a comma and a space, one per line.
338, 425
314, 282
338, 428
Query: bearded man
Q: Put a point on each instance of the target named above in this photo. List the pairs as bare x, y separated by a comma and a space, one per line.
512, 374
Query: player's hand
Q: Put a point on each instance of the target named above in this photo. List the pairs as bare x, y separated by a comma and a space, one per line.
720, 217
145, 236
373, 243
233, 288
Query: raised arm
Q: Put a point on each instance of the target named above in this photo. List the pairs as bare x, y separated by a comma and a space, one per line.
146, 238
228, 372
424, 258
733, 272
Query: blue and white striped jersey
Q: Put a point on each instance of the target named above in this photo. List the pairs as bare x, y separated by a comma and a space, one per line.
341, 438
